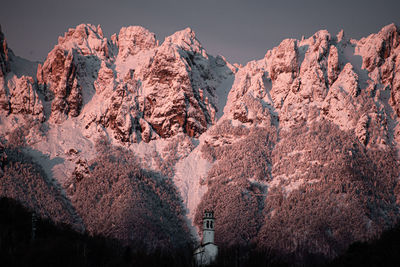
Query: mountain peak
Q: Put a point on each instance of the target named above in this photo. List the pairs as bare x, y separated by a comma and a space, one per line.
185, 39
4, 54
340, 36
133, 39
87, 39
388, 29
82, 31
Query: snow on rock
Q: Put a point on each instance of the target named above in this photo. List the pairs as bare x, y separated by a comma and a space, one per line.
354, 84
320, 78
190, 171
24, 98
339, 105
105, 81
283, 70
4, 55
70, 69
18, 90
177, 83
59, 83
132, 85
130, 89
134, 39
333, 65
86, 39
310, 87
361, 129
381, 57
186, 40
4, 69
376, 48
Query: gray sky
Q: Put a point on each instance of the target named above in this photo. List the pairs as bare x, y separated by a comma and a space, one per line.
239, 30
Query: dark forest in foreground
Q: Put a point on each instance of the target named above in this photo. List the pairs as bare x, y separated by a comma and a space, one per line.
59, 245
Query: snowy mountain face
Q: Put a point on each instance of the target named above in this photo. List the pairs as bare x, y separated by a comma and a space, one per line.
329, 77
147, 91
311, 126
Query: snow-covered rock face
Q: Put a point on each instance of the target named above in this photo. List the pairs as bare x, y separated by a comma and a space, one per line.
18, 94
4, 69
59, 82
178, 82
132, 85
186, 40
140, 90
322, 78
133, 39
71, 65
4, 57
24, 98
381, 57
86, 39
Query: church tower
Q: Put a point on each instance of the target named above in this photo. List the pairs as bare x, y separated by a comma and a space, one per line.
207, 252
208, 227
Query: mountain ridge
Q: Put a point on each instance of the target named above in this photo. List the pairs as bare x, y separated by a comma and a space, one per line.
211, 127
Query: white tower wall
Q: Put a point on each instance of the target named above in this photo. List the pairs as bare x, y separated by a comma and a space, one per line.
208, 227
208, 251
208, 236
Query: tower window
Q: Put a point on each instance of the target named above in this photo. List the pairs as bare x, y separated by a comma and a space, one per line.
208, 224
211, 225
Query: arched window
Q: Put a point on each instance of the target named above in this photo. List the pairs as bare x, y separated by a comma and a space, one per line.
208, 224
211, 225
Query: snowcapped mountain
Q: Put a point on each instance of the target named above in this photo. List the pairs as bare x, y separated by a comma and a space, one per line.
312, 127
147, 90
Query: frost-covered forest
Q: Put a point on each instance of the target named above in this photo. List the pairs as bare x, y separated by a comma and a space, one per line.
304, 194
346, 193
118, 199
24, 180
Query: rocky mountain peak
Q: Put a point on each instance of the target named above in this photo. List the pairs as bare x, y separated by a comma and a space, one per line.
87, 39
340, 36
186, 40
321, 77
4, 69
4, 55
376, 48
133, 39
173, 86
380, 54
18, 92
70, 68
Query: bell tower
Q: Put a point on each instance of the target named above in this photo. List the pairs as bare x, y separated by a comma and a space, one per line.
207, 252
208, 227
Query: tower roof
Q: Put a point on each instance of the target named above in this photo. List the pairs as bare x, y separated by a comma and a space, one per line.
208, 214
